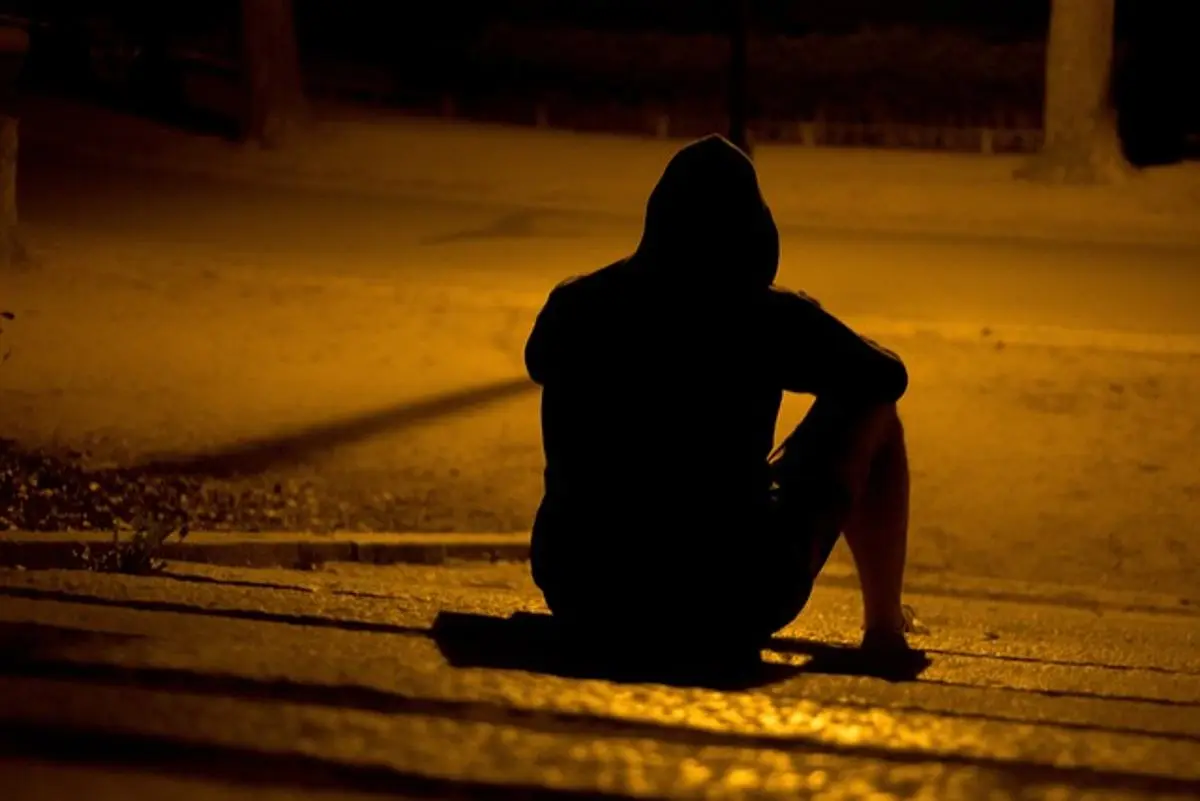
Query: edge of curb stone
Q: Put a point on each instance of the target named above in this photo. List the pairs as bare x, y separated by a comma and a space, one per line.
65, 550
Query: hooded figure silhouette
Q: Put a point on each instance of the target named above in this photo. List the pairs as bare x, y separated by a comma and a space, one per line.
662, 377
707, 223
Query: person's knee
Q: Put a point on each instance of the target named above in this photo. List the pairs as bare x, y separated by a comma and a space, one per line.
841, 441
885, 419
889, 449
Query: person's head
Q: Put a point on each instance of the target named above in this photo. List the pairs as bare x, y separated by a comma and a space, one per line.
707, 223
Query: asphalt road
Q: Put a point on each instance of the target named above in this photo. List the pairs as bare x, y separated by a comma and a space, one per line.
985, 280
354, 681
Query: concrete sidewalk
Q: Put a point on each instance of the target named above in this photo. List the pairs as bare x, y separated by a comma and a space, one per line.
446, 682
864, 190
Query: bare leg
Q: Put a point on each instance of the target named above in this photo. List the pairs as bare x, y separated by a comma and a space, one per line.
877, 527
852, 467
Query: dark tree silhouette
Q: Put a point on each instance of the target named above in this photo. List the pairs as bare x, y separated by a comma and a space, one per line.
1155, 75
275, 102
1081, 144
14, 43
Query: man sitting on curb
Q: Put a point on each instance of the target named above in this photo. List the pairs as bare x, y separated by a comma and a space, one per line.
667, 520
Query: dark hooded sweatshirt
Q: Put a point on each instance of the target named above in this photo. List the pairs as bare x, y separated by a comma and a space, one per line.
662, 379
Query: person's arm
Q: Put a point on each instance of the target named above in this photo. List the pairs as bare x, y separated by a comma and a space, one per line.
545, 349
822, 356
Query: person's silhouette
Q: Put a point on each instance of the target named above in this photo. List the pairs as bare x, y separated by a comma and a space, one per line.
667, 518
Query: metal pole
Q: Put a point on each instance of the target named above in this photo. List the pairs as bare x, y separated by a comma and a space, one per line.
739, 90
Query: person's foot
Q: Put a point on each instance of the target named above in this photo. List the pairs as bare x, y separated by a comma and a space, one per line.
890, 635
889, 650
903, 621
884, 641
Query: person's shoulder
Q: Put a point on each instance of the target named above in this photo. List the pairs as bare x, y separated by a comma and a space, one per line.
584, 286
782, 300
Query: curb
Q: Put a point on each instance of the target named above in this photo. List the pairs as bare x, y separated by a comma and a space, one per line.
67, 551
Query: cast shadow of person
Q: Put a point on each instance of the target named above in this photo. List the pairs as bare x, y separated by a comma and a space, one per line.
535, 643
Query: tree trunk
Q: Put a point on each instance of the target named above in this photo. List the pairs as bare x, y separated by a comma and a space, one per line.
1080, 120
11, 250
275, 104
14, 43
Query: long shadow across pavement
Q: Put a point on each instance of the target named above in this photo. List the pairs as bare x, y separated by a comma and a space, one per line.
528, 642
33, 649
157, 488
534, 642
263, 453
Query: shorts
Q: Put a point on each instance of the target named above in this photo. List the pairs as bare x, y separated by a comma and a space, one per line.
760, 588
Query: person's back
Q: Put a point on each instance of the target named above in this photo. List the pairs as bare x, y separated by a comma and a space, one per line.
662, 378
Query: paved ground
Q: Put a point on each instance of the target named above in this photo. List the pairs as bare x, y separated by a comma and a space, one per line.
362, 349
370, 350
495, 243
352, 681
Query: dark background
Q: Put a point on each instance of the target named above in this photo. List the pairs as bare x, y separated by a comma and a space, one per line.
612, 64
